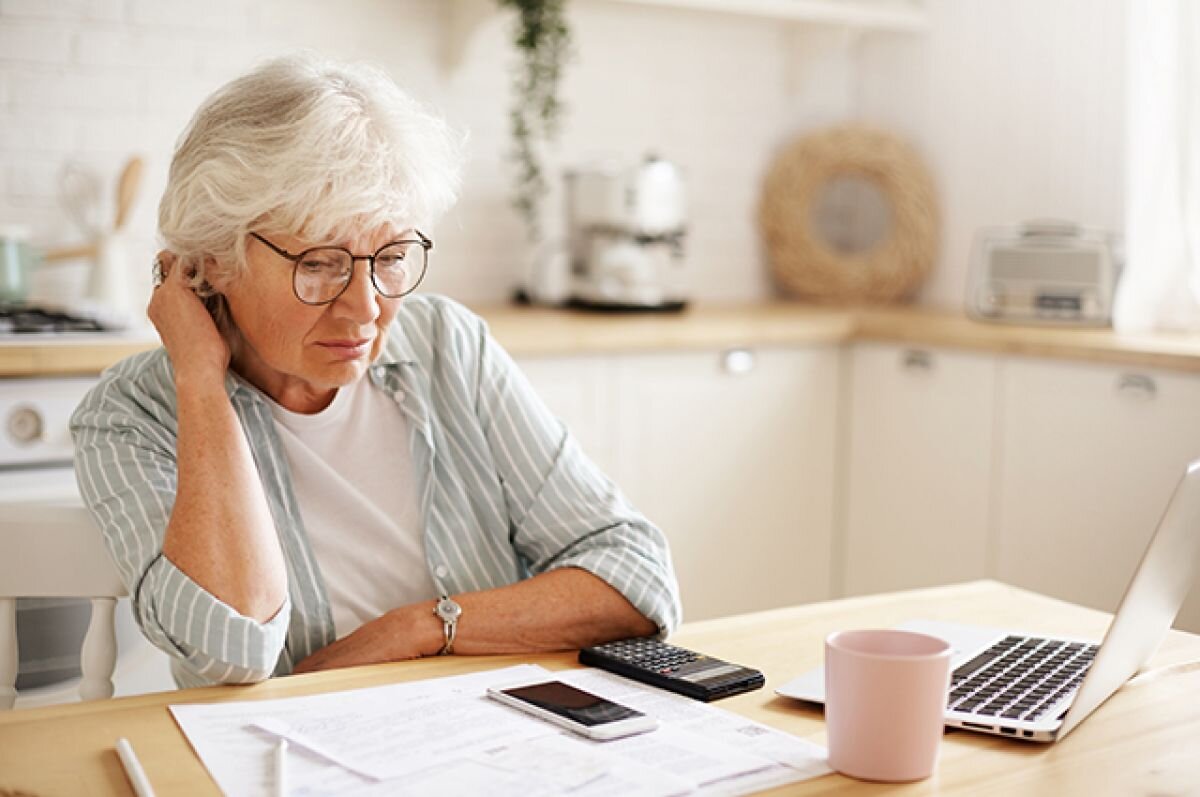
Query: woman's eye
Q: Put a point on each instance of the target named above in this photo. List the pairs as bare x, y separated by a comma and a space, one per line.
320, 265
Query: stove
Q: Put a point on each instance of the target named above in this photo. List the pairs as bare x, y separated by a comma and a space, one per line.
23, 319
36, 465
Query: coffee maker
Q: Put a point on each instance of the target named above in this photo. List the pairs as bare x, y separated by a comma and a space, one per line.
626, 236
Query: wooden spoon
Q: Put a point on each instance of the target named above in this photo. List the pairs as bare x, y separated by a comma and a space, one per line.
127, 189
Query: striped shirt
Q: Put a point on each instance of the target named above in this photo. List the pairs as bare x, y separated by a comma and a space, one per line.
505, 493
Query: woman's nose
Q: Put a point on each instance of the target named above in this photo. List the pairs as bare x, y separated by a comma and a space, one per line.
359, 302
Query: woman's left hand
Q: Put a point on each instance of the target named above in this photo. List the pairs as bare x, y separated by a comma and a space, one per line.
404, 633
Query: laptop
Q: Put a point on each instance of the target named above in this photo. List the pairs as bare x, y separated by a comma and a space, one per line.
1039, 688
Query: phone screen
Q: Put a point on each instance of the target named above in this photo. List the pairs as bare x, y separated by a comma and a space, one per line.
574, 704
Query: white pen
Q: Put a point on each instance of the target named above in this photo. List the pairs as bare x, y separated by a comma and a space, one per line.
133, 769
281, 768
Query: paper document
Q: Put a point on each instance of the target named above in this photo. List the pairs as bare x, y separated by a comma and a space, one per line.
444, 734
704, 719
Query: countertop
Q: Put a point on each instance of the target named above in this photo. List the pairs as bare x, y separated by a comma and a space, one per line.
532, 332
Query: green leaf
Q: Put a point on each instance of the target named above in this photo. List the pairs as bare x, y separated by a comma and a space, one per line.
543, 41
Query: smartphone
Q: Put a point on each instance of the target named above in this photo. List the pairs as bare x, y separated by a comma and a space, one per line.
574, 709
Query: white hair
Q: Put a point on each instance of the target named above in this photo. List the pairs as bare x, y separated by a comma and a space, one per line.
306, 147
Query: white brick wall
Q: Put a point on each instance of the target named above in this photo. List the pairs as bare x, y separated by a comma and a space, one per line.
37, 42
81, 94
181, 16
33, 178
1019, 107
97, 80
89, 10
145, 50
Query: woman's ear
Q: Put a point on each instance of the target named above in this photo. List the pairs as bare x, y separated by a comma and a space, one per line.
216, 278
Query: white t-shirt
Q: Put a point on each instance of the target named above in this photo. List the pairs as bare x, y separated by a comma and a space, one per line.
352, 474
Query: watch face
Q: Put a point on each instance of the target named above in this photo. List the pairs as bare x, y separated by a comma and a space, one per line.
448, 609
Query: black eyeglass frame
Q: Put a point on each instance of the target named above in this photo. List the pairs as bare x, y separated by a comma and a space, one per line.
425, 242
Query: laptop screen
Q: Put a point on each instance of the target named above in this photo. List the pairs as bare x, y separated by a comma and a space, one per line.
1152, 599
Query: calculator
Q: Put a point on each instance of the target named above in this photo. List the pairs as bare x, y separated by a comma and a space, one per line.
673, 668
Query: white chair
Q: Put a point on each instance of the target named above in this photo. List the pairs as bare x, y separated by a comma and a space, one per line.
53, 549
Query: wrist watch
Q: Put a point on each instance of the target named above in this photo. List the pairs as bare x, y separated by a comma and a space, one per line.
449, 612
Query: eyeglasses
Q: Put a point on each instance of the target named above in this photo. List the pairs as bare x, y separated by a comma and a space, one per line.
321, 274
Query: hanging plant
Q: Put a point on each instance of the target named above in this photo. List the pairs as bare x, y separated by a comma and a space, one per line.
542, 39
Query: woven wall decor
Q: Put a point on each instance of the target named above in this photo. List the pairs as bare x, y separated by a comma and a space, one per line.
804, 261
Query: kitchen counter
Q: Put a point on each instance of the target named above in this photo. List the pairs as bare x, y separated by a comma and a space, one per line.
528, 332
68, 354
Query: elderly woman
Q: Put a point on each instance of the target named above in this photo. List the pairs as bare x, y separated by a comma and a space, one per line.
319, 468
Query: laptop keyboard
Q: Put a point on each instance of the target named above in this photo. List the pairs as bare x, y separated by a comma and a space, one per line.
1020, 678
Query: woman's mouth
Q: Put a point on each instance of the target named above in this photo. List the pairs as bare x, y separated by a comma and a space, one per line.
347, 348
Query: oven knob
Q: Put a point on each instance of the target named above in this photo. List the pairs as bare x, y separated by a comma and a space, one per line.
25, 425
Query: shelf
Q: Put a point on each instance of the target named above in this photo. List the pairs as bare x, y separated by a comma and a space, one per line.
462, 17
892, 15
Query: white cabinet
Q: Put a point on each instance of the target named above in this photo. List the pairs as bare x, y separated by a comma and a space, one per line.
1047, 474
732, 453
1091, 455
919, 467
779, 479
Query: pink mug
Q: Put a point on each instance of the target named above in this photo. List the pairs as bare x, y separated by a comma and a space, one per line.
885, 703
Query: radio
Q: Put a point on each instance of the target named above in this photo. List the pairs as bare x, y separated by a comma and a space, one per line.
1043, 272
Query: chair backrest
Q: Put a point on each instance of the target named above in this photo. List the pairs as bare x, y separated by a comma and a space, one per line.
54, 550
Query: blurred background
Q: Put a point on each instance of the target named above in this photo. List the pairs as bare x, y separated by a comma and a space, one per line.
1017, 107
938, 263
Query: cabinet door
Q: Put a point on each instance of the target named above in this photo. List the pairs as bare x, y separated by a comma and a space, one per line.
576, 390
732, 455
919, 468
1091, 455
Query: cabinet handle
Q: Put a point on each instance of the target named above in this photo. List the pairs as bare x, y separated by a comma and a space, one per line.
737, 362
916, 360
1137, 386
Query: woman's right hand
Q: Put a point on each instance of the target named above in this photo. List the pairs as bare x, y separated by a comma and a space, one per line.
196, 347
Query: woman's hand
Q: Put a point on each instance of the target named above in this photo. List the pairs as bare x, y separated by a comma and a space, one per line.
406, 633
197, 350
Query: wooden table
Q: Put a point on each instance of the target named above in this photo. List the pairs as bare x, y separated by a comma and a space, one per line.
1144, 740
